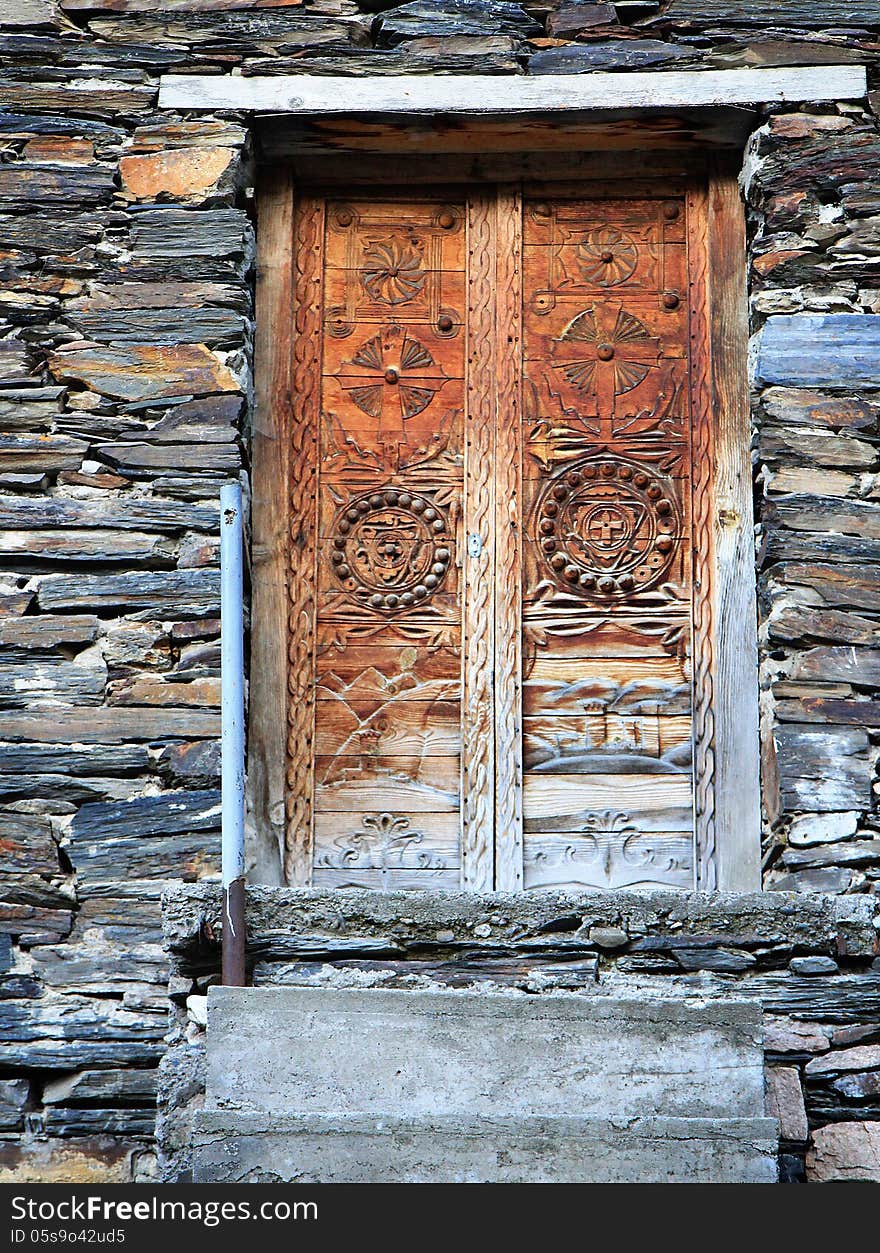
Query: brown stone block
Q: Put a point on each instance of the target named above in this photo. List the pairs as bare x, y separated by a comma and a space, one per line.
147, 690
845, 1151
95, 1160
60, 150
187, 174
144, 372
787, 1035
785, 1101
861, 1057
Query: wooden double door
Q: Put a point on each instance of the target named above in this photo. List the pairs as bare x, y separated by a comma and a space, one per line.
500, 466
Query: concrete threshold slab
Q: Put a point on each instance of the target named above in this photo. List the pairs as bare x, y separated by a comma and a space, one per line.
233, 1147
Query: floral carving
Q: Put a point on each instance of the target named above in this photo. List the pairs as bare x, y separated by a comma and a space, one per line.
626, 351
386, 843
612, 852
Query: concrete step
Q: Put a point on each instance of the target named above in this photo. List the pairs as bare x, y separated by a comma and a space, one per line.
232, 1147
372, 1085
427, 1053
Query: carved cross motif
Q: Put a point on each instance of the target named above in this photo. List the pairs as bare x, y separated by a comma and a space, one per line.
606, 526
605, 352
391, 377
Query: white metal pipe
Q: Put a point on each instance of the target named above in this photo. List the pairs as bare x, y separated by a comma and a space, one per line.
232, 731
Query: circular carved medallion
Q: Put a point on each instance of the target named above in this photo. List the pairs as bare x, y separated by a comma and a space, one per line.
390, 549
607, 527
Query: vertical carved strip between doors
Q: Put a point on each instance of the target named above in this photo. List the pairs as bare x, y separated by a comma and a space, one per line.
303, 477
508, 550
478, 747
703, 548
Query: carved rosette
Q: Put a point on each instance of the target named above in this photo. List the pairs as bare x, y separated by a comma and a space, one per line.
607, 528
392, 273
391, 549
607, 256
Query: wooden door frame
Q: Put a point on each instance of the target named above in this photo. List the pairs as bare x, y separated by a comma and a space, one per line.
727, 744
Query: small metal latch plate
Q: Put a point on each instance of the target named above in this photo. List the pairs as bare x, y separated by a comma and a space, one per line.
474, 544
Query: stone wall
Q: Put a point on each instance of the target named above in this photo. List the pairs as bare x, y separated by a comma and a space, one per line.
126, 256
811, 961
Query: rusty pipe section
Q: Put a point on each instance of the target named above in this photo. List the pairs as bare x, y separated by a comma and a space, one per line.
232, 734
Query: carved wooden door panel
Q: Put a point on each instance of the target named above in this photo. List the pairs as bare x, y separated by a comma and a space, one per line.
499, 474
615, 480
377, 475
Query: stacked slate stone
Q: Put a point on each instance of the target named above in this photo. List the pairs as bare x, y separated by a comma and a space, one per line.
126, 256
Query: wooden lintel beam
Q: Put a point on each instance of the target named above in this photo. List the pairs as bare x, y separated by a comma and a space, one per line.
482, 95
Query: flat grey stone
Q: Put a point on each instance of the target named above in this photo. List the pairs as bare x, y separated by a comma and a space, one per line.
814, 965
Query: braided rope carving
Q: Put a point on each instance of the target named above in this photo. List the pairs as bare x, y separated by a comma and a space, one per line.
305, 380
508, 554
703, 550
478, 792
